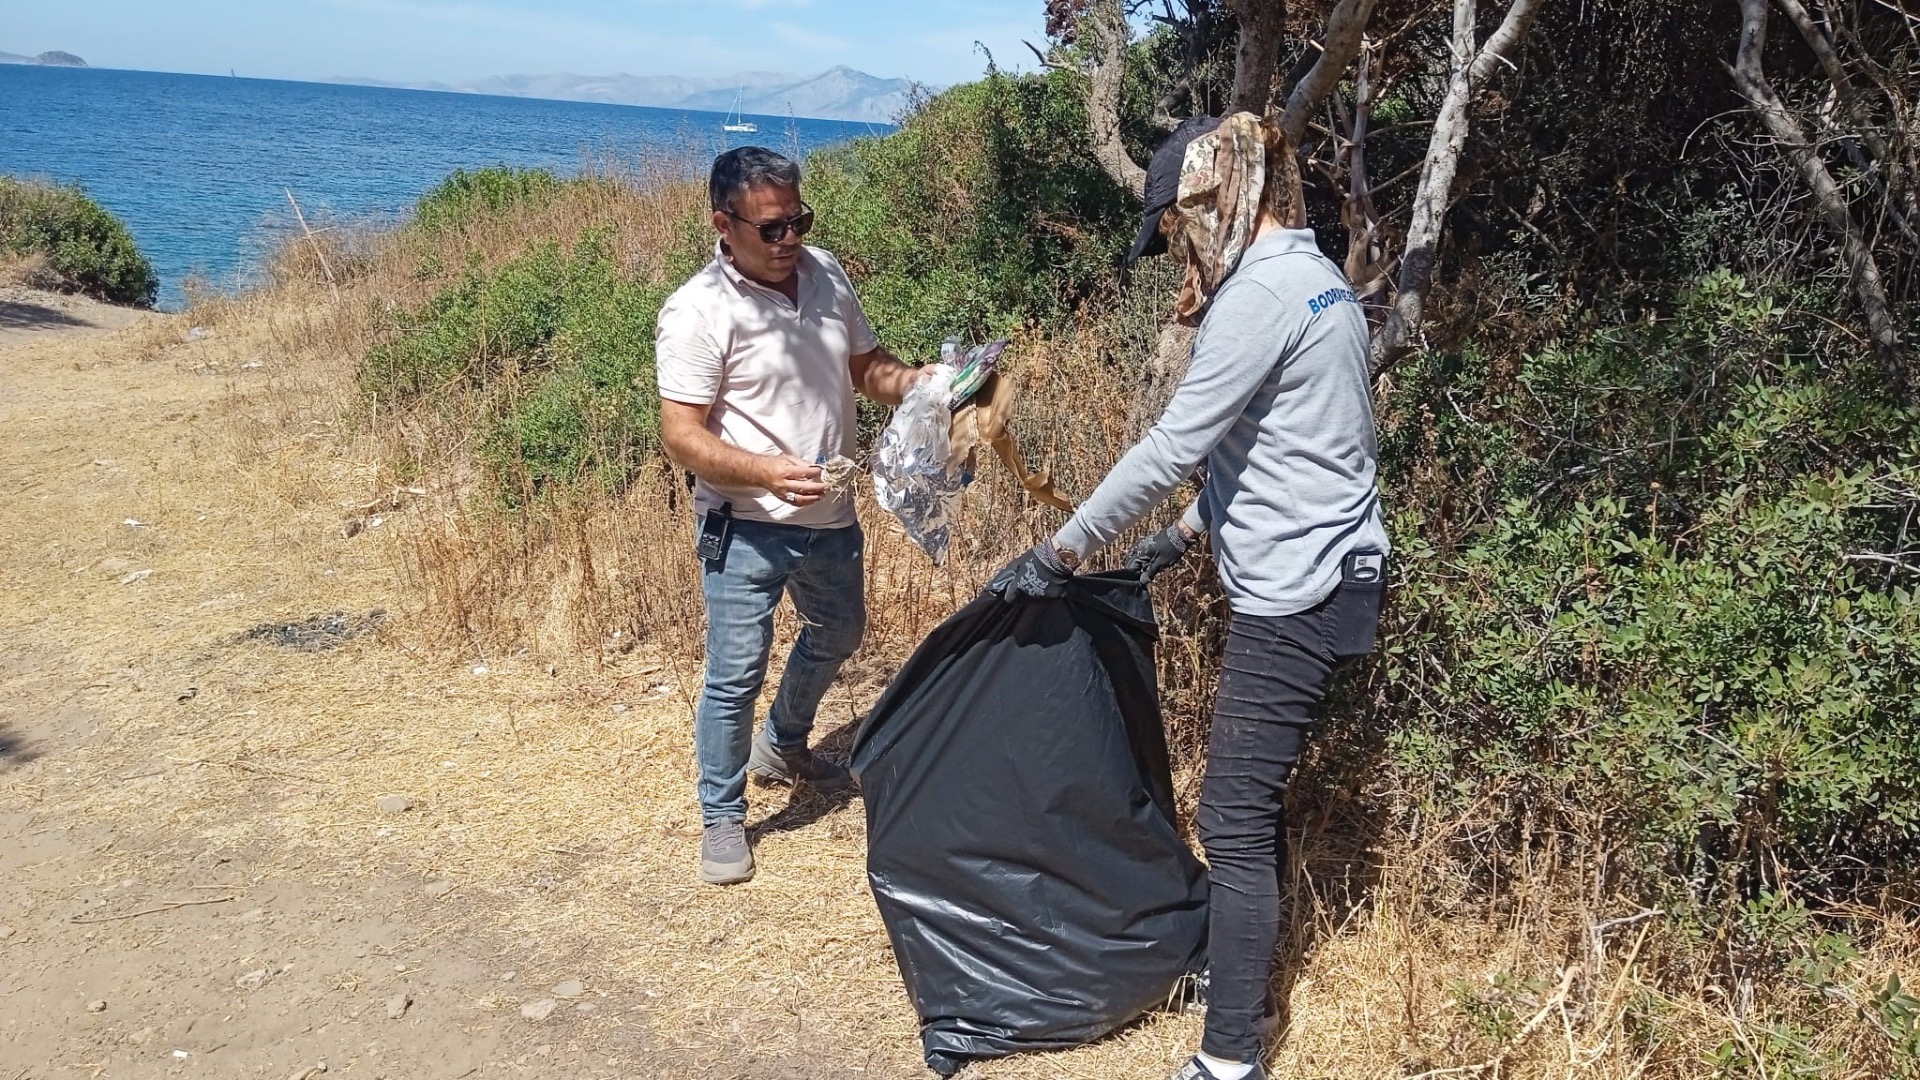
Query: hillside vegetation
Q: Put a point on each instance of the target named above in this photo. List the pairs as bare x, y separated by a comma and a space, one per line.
1647, 693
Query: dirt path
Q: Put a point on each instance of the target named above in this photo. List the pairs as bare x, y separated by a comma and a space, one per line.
29, 313
147, 926
199, 877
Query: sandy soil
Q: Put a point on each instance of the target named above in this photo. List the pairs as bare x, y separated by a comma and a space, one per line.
28, 313
133, 943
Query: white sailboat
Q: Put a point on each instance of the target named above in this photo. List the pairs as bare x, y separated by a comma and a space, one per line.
736, 120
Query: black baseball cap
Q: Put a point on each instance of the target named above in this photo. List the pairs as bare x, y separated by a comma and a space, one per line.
1163, 183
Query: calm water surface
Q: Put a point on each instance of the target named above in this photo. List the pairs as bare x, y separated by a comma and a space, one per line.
198, 166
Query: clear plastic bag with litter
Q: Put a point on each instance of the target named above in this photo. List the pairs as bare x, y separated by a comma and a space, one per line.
913, 478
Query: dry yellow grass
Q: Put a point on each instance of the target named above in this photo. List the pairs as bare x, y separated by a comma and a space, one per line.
531, 690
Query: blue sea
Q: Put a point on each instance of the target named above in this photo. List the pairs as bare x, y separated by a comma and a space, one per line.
199, 166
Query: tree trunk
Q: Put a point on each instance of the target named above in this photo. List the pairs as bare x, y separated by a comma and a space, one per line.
1262, 24
1749, 77
1105, 32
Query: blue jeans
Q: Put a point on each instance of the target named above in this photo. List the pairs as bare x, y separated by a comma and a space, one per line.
823, 571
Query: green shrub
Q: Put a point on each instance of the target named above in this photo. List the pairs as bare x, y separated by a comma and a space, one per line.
594, 415
469, 331
1662, 577
86, 246
986, 210
464, 197
556, 347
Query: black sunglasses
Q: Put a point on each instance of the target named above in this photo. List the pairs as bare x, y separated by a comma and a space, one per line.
772, 232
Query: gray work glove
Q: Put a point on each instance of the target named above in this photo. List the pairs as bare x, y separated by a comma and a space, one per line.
1040, 573
1156, 552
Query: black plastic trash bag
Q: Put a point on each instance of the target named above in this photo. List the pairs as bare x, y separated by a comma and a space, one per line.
1020, 835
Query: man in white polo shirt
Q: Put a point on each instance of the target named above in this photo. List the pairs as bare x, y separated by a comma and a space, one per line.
759, 356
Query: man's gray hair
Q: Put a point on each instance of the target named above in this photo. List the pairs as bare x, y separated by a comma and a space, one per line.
748, 166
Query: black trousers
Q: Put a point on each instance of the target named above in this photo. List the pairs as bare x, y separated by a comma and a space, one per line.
1274, 676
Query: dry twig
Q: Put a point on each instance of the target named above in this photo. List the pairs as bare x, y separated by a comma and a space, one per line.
315, 245
168, 906
1532, 1025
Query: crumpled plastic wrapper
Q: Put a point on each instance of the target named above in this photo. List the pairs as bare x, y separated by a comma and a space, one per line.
912, 477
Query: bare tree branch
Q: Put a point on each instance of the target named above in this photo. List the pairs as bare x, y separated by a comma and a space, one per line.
1836, 70
1369, 263
1749, 77
1895, 182
1435, 192
1346, 28
1396, 334
1501, 43
1051, 65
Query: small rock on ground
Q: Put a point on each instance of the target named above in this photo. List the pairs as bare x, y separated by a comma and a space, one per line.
5, 932
438, 889
397, 1006
393, 804
252, 980
96, 1006
572, 988
539, 1010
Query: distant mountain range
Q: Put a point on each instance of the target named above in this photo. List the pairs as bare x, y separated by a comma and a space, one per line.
837, 94
55, 58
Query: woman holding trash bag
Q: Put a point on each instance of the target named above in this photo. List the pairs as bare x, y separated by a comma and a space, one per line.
1277, 404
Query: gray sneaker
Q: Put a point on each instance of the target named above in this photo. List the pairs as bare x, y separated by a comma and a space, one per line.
725, 858
1194, 1069
773, 767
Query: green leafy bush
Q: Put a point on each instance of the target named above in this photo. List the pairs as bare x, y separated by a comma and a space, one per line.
986, 210
556, 347
1670, 586
85, 245
466, 196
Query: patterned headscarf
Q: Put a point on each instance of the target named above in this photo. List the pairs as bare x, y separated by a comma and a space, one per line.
1224, 184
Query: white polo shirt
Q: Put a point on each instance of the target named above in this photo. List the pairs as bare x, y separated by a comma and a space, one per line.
775, 373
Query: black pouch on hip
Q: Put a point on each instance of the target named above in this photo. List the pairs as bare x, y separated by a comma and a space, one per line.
715, 528
1356, 611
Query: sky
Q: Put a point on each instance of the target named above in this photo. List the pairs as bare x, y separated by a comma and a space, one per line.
932, 41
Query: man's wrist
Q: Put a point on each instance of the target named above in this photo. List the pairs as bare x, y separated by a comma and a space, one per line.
1186, 532
773, 472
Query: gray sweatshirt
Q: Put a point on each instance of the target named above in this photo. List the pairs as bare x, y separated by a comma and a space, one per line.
1277, 402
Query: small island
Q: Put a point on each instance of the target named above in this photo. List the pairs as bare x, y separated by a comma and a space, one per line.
51, 58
